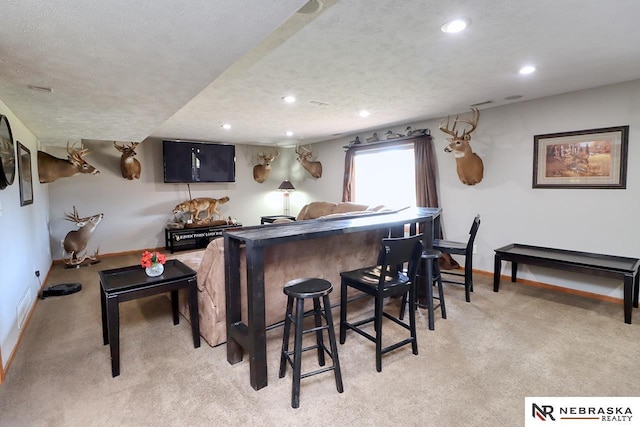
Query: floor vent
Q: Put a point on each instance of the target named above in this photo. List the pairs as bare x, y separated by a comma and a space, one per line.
23, 308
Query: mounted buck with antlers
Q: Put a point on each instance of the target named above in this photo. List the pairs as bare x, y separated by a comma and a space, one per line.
313, 167
468, 164
261, 171
129, 165
75, 241
51, 168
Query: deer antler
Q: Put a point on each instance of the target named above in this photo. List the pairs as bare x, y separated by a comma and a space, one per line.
74, 259
122, 147
446, 130
266, 159
75, 217
76, 154
304, 154
473, 123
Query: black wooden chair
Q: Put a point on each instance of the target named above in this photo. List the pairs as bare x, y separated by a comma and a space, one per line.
461, 248
386, 279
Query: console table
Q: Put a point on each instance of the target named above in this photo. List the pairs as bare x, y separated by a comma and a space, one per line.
251, 337
624, 268
180, 239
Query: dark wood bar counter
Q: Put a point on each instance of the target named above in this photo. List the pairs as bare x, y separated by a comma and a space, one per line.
251, 337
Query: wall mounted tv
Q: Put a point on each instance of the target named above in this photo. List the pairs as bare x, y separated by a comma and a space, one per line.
188, 162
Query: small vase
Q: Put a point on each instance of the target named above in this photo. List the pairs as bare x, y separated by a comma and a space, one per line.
155, 270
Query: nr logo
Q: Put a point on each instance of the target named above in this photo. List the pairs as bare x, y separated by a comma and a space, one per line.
542, 412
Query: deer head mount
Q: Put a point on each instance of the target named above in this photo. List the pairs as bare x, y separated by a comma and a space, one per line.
129, 165
261, 170
51, 168
468, 164
313, 167
75, 241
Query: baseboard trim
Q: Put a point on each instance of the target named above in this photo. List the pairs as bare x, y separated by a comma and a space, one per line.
113, 254
556, 288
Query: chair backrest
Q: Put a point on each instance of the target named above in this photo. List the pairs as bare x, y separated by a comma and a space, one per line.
473, 232
395, 252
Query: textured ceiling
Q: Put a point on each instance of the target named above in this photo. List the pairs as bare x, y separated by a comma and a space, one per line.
120, 68
124, 70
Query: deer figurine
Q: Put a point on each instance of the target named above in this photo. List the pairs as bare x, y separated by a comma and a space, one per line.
261, 170
51, 168
313, 167
468, 164
75, 241
129, 165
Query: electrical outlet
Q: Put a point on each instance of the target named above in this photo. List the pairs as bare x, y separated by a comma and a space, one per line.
475, 249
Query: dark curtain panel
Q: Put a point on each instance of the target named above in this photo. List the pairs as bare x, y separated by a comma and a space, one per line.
347, 183
426, 191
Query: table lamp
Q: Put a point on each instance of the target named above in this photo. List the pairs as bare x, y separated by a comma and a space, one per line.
286, 186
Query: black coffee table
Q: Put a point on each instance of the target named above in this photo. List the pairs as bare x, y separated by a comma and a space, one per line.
129, 283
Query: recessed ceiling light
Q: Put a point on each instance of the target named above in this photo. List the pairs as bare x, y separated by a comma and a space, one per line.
527, 69
290, 99
289, 133
455, 25
226, 126
364, 113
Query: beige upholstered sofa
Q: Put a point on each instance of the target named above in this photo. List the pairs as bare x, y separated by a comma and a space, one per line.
323, 257
316, 210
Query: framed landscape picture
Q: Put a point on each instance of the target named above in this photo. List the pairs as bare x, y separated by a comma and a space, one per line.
592, 158
24, 175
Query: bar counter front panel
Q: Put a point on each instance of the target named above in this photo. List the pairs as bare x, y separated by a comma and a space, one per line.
251, 337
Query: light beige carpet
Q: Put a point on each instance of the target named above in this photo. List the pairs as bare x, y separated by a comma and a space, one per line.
475, 369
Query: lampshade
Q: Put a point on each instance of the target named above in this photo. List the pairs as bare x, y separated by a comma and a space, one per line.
286, 186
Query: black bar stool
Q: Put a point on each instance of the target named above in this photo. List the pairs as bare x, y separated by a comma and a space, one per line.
299, 290
430, 267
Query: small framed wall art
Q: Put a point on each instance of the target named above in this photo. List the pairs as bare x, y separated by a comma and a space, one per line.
24, 175
592, 158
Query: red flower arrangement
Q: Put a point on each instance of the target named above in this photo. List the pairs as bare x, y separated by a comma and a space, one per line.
150, 258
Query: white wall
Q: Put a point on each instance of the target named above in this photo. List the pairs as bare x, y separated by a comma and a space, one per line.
511, 211
23, 248
136, 212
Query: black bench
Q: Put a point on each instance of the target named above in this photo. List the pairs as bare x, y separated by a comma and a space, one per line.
624, 268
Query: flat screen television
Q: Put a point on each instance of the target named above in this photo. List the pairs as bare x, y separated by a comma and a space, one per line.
188, 162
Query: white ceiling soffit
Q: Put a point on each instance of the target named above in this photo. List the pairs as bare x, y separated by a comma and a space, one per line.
124, 70
118, 69
391, 58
